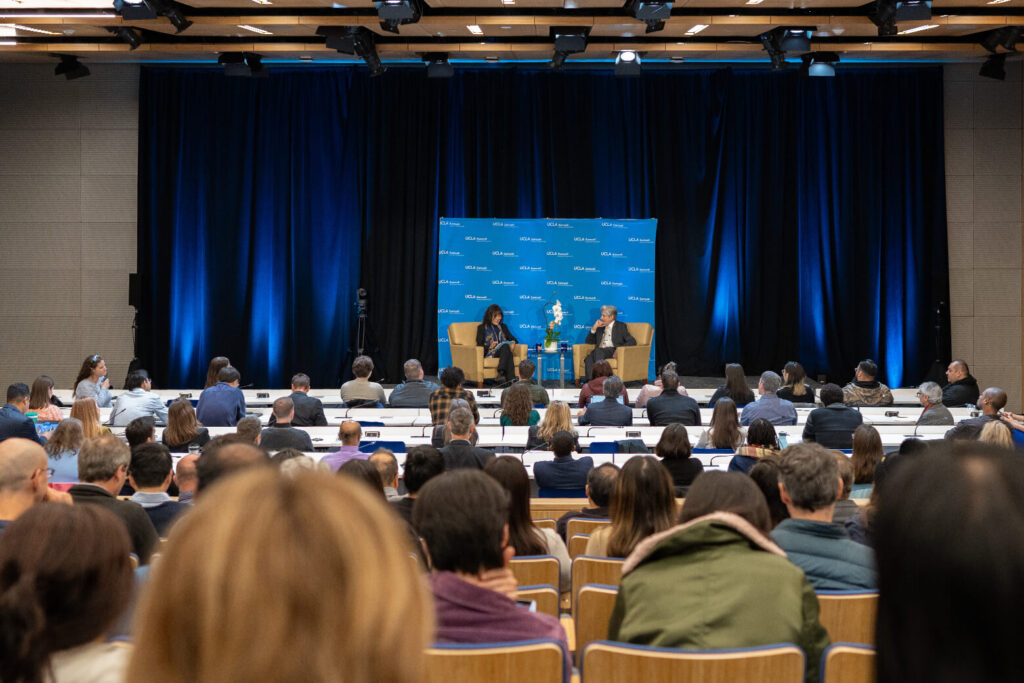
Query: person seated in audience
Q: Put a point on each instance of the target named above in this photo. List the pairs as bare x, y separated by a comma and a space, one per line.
140, 430
349, 433
150, 475
41, 403
793, 388
865, 390
414, 392
933, 411
761, 441
674, 450
606, 334
724, 430
283, 455
299, 462
365, 613
365, 472
609, 412
845, 508
595, 387
186, 478
538, 395
564, 473
103, 466
716, 581
809, 486
765, 474
671, 406
526, 537
217, 363
650, 390
23, 479
387, 469
909, 448
441, 436
251, 429
451, 378
643, 503
950, 551
183, 429
463, 518
833, 425
309, 411
557, 418
996, 434
281, 434
361, 391
769, 406
65, 577
991, 401
86, 410
517, 408
492, 334
422, 463
223, 404
460, 452
62, 451
962, 388
138, 401
600, 482
867, 453
92, 381
13, 421
735, 387
225, 456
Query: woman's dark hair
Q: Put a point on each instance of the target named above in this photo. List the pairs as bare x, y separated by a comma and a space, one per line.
643, 503
867, 453
65, 577
736, 384
674, 443
726, 492
765, 474
602, 368
182, 425
452, 377
794, 374
523, 534
949, 546
518, 405
217, 363
364, 471
40, 396
761, 432
489, 313
88, 365
725, 424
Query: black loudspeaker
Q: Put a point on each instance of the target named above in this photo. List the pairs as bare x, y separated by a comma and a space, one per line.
134, 290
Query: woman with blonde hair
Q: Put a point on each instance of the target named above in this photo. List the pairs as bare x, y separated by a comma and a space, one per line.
793, 388
643, 503
557, 418
240, 596
996, 433
62, 450
86, 410
183, 429
39, 401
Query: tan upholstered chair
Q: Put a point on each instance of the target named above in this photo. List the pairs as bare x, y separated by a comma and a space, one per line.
630, 363
849, 617
470, 357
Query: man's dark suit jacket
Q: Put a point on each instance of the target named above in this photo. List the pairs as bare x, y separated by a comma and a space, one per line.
140, 529
563, 473
668, 408
163, 514
13, 423
460, 453
278, 436
971, 427
620, 336
607, 413
963, 392
832, 426
309, 411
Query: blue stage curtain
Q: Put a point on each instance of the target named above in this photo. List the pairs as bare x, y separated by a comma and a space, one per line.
799, 219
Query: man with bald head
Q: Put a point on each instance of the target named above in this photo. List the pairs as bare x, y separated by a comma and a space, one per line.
349, 433
991, 401
281, 434
962, 389
23, 479
186, 478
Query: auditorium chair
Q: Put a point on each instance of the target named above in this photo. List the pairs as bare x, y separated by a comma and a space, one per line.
584, 525
470, 357
546, 597
593, 613
847, 663
532, 570
577, 545
536, 661
630, 363
587, 569
849, 616
607, 662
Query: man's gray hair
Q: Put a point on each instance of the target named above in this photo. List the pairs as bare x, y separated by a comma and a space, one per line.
100, 457
610, 310
460, 422
771, 381
810, 474
612, 387
412, 369
931, 391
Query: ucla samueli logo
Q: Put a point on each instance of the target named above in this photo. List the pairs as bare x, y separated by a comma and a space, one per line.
641, 299
484, 269
557, 283
634, 269
504, 253
585, 269
559, 225
531, 239
613, 225
450, 311
588, 240
610, 283
503, 283
557, 254
499, 224
528, 297
448, 252
474, 238
584, 298
530, 268
477, 297
449, 282
640, 240
613, 254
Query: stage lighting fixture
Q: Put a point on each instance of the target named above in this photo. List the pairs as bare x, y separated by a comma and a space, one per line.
883, 15
558, 60
127, 34
653, 13
627, 63
820, 64
438, 65
135, 10
1005, 37
913, 10
569, 39
782, 39
994, 67
393, 13
243, 64
354, 40
70, 68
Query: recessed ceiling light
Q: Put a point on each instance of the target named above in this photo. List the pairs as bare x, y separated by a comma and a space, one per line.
677, 58
505, 28
7, 42
996, 2
754, 2
33, 30
262, 2
918, 28
475, 30
255, 30
696, 29
508, 2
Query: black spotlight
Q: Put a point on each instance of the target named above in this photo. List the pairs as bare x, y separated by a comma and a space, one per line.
627, 63
883, 15
177, 19
783, 39
393, 13
243, 64
354, 40
994, 67
127, 34
438, 65
1005, 37
819, 64
913, 10
568, 40
71, 68
136, 10
654, 13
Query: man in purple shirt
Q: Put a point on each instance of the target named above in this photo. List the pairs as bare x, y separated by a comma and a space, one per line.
462, 518
350, 433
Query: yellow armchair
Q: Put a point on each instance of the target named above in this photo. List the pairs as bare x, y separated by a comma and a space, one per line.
470, 357
630, 363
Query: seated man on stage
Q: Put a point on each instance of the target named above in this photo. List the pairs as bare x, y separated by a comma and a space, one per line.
611, 336
497, 340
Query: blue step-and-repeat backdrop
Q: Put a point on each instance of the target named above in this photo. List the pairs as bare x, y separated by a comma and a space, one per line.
525, 265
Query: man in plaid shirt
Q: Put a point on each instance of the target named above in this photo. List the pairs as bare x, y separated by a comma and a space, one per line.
451, 387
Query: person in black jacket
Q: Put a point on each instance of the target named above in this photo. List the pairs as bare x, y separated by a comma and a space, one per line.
13, 421
833, 425
491, 334
676, 455
460, 452
671, 406
609, 412
607, 334
309, 411
281, 434
962, 389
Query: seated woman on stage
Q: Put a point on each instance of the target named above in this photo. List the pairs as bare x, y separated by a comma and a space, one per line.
557, 418
735, 387
490, 334
517, 409
793, 387
595, 387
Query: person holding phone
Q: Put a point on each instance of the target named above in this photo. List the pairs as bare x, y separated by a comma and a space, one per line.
498, 341
92, 381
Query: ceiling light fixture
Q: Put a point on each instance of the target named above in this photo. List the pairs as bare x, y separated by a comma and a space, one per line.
819, 64
127, 34
354, 40
627, 63
438, 65
1005, 37
696, 29
475, 30
243, 64
917, 29
394, 13
654, 13
254, 29
142, 10
782, 39
19, 27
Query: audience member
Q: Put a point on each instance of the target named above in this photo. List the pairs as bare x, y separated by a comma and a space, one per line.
724, 430
85, 409
600, 482
650, 390
65, 577
557, 418
845, 508
997, 434
451, 388
217, 363
595, 387
414, 392
867, 453
283, 455
13, 421
387, 469
309, 411
366, 472
183, 431
643, 503
517, 407
735, 387
460, 452
361, 391
932, 412
62, 450
92, 381
833, 425
150, 475
23, 480
809, 486
422, 463
40, 400
909, 448
441, 436
299, 462
523, 535
674, 450
281, 434
349, 433
865, 390
793, 388
991, 401
463, 518
671, 406
962, 388
103, 464
717, 581
564, 473
761, 441
224, 456
139, 431
769, 407
186, 478
138, 401
223, 404
609, 412
538, 395
765, 474
224, 598
250, 429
